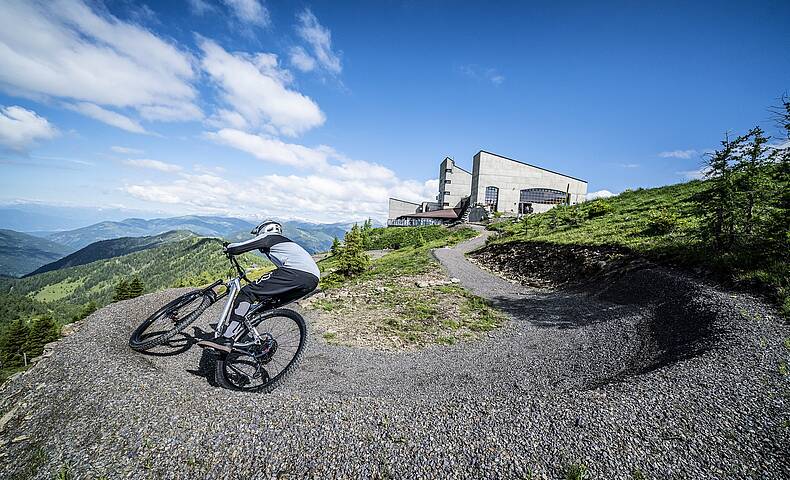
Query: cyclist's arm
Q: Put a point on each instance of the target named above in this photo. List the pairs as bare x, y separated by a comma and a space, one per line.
261, 242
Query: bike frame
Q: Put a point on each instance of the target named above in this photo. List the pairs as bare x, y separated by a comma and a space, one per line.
234, 286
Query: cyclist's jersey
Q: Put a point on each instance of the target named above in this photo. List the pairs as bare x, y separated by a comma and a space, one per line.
282, 252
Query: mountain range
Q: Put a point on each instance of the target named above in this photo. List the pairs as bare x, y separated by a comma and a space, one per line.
42, 250
21, 253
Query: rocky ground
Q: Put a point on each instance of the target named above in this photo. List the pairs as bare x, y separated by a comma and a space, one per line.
606, 381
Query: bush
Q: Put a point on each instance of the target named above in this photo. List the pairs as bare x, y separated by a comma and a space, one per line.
661, 222
599, 208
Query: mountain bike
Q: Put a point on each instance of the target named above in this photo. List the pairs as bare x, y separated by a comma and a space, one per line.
266, 347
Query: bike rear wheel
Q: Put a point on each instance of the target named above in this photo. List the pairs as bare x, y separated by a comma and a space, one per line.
261, 368
169, 320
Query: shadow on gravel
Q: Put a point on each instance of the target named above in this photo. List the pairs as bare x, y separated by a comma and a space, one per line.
206, 367
178, 344
674, 320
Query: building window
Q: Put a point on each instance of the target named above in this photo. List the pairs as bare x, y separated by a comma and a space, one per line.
448, 181
446, 204
446, 192
543, 195
448, 170
492, 197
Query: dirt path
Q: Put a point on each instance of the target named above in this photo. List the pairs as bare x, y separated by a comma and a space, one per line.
534, 397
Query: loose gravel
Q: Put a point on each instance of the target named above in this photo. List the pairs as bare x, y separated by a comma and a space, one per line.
555, 387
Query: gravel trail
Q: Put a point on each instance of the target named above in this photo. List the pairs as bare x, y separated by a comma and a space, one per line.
554, 387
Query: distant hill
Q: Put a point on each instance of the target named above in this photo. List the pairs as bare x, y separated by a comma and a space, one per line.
30, 217
21, 253
159, 267
113, 248
137, 227
314, 237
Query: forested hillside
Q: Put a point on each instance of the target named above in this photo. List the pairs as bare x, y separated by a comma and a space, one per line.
21, 253
161, 267
112, 248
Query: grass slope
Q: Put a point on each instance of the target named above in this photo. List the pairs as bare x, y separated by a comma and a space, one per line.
21, 253
662, 224
403, 300
113, 248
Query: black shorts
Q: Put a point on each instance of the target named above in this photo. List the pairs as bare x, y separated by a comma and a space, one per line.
279, 287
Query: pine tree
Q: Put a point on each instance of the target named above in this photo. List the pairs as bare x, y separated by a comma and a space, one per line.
42, 331
121, 291
353, 259
718, 203
12, 343
366, 233
336, 247
136, 288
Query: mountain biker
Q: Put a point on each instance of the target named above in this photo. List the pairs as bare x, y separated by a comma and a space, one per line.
296, 275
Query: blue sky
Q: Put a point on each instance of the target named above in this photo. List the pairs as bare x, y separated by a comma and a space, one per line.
322, 110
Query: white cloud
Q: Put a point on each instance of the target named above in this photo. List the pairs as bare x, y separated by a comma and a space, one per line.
64, 49
107, 116
249, 11
599, 194
255, 87
697, 174
302, 60
684, 154
200, 7
479, 73
335, 188
152, 164
319, 38
126, 150
20, 128
270, 149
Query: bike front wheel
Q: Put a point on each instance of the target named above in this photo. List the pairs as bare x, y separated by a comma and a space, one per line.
166, 322
262, 367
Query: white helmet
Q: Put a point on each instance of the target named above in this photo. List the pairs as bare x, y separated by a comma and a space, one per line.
268, 226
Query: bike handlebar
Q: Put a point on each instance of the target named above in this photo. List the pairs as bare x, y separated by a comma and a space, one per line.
236, 264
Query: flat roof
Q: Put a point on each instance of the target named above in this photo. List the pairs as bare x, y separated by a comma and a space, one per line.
530, 165
405, 201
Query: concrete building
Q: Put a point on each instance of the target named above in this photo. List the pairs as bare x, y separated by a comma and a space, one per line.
505, 185
496, 184
455, 184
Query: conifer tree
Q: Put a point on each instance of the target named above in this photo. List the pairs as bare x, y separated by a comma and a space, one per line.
336, 247
136, 288
12, 343
121, 291
366, 233
42, 331
353, 259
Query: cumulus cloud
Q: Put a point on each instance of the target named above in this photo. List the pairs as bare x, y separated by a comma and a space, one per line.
599, 194
20, 128
249, 11
107, 116
256, 90
319, 39
152, 164
333, 187
64, 49
126, 150
683, 154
